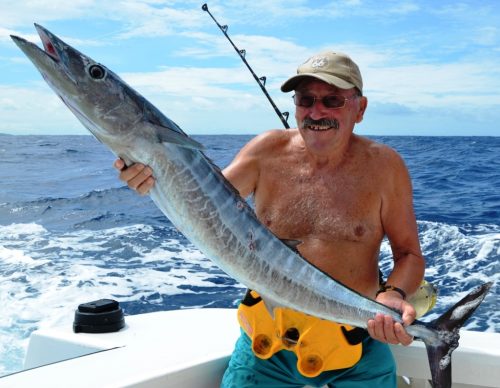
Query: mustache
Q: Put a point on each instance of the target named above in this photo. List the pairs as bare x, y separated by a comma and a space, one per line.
333, 123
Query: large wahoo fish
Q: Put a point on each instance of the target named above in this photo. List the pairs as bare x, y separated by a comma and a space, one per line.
194, 195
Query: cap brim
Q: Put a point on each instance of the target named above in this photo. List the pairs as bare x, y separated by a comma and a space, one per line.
292, 82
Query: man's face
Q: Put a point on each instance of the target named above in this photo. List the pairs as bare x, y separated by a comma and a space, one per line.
322, 123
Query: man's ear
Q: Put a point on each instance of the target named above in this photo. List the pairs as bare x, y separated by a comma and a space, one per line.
363, 103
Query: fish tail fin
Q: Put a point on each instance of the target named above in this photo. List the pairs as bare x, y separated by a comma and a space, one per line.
447, 328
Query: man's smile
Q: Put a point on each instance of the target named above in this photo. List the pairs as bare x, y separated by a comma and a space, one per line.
320, 125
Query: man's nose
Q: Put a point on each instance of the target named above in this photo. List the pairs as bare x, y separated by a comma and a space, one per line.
318, 110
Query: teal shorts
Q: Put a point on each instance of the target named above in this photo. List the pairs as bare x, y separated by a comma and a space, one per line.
376, 368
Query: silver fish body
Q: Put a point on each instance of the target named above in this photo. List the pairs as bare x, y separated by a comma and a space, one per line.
191, 191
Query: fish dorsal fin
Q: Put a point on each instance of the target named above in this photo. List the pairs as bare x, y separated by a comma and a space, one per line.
167, 130
292, 244
168, 135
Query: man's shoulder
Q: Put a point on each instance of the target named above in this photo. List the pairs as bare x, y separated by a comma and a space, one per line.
381, 158
277, 135
271, 140
376, 149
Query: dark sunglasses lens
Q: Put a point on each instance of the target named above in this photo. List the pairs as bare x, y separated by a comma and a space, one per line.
305, 101
333, 101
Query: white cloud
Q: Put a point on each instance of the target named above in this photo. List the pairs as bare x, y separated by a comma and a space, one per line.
23, 13
138, 17
145, 20
405, 70
487, 35
34, 109
5, 34
427, 85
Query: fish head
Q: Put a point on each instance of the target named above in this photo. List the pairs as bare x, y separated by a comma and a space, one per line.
99, 98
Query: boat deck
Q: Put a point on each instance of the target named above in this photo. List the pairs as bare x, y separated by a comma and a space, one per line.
190, 348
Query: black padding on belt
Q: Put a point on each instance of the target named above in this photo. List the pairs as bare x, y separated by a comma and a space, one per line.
249, 300
355, 336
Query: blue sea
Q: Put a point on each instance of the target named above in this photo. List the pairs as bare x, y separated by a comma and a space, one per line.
70, 232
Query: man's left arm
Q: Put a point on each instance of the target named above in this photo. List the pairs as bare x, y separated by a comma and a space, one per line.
400, 227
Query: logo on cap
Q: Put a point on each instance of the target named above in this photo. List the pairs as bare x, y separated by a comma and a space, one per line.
319, 62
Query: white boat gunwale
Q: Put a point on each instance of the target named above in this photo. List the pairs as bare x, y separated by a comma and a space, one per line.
191, 348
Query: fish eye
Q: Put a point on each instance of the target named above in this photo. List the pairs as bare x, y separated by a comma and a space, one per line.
97, 72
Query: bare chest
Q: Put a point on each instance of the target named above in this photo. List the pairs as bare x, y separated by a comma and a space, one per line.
330, 207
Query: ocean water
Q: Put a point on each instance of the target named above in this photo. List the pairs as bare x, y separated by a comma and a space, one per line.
71, 233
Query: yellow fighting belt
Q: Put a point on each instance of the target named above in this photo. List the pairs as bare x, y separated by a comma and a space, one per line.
320, 345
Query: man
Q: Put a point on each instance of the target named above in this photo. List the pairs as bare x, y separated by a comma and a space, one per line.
338, 194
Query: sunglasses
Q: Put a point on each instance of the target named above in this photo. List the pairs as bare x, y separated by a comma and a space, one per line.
333, 101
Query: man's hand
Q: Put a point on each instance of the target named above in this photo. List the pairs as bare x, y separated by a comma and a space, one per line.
137, 176
383, 328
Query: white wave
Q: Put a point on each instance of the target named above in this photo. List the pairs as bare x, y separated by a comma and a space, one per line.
44, 275
15, 256
16, 231
458, 258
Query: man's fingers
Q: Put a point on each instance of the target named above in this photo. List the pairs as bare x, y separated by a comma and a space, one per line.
376, 327
119, 164
389, 333
402, 336
146, 186
409, 315
384, 329
136, 175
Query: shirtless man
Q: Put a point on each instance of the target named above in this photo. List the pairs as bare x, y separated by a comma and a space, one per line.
339, 194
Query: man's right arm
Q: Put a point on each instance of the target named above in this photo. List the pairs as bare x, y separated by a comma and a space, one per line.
242, 172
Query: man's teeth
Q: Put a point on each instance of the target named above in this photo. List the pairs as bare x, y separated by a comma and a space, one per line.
318, 128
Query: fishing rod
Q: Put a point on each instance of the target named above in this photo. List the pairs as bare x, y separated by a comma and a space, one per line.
260, 80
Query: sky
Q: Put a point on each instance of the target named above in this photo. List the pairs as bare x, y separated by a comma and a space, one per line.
429, 67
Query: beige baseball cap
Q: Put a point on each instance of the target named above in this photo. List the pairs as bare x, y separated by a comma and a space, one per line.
334, 68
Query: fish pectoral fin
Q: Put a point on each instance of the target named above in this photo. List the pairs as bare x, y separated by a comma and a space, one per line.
168, 135
292, 244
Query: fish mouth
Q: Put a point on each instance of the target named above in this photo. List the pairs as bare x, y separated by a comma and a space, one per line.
33, 52
48, 45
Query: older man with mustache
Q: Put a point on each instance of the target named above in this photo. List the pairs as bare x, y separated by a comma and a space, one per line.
338, 194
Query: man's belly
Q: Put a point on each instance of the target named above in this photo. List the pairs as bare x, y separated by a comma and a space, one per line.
355, 264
